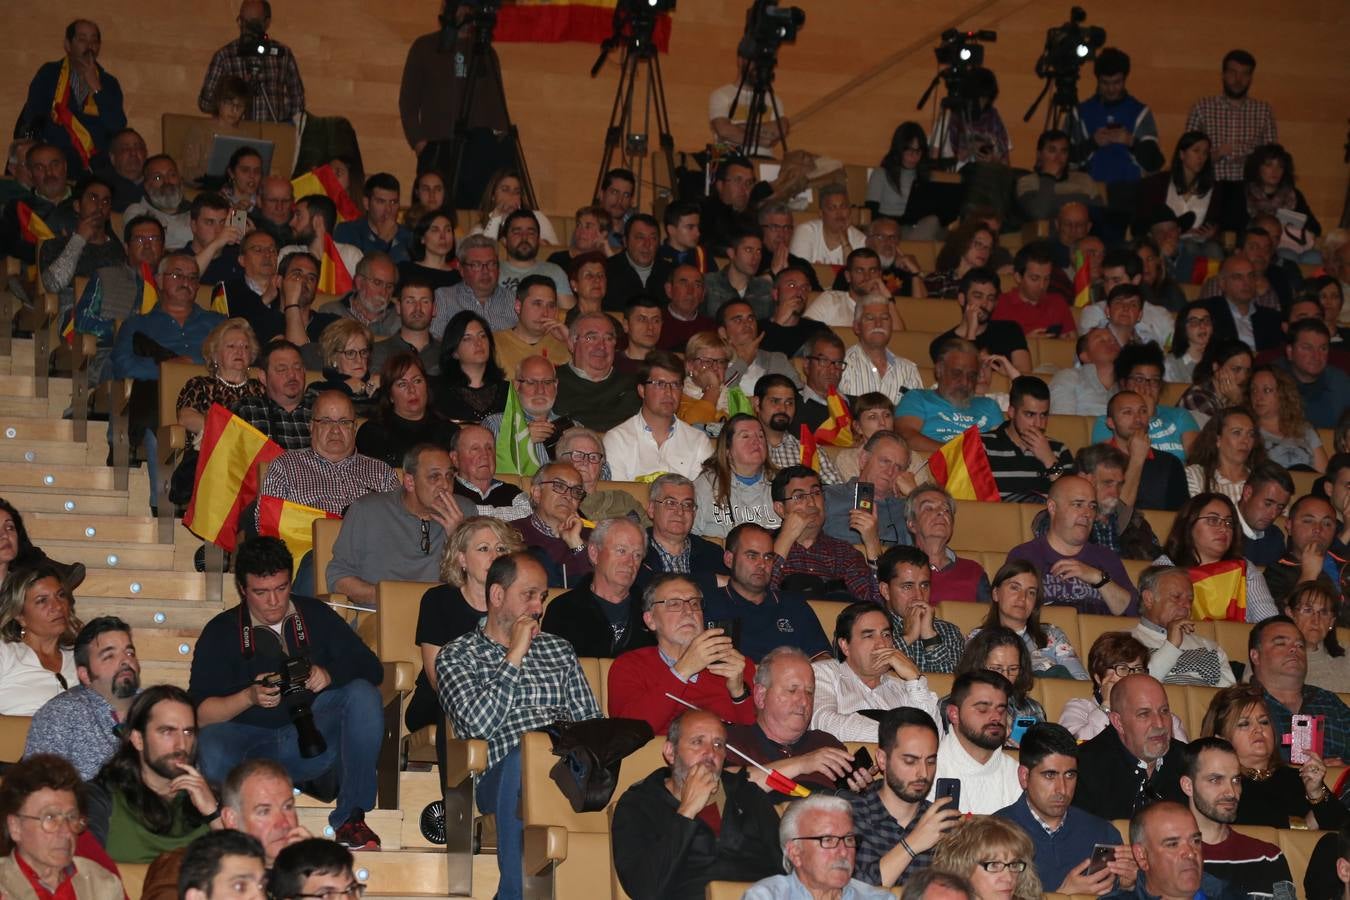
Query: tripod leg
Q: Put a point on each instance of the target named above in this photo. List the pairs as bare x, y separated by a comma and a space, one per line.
614, 132
493, 66
663, 125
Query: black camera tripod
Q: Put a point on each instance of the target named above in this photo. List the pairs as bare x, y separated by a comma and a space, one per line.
759, 73
625, 145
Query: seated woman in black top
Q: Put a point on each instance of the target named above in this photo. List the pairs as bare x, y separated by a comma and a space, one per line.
433, 250
404, 418
346, 366
453, 609
1272, 791
471, 385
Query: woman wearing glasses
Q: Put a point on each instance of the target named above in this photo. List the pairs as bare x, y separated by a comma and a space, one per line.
584, 449
994, 854
1272, 791
43, 801
1017, 606
1189, 342
453, 608
1315, 609
999, 649
346, 366
1113, 656
734, 486
1205, 531
37, 634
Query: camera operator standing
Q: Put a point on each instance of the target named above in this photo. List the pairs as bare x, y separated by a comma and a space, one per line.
284, 677
267, 65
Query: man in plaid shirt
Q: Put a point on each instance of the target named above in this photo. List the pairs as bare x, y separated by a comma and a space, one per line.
897, 827
775, 405
802, 548
505, 678
278, 92
1235, 123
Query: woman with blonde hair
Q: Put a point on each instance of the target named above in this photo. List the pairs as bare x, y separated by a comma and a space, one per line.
454, 608
706, 357
994, 855
346, 346
1272, 792
1288, 437
37, 636
734, 484
229, 350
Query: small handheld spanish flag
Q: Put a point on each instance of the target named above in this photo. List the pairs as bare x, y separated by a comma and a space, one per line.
1082, 280
836, 430
962, 467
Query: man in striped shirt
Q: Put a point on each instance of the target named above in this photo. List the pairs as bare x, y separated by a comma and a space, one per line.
869, 365
1023, 459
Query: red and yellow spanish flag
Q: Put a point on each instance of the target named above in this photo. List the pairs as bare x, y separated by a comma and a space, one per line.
292, 522
333, 275
1220, 591
550, 21
1203, 269
1082, 280
961, 466
835, 430
810, 453
227, 475
322, 180
31, 227
149, 292
66, 118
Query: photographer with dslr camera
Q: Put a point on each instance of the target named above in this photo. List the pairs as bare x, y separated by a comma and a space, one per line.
284, 677
268, 66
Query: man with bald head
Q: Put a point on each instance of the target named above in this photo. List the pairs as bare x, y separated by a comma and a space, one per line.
1235, 313
276, 204
1135, 761
328, 474
1072, 223
474, 452
278, 92
1074, 571
692, 822
1169, 850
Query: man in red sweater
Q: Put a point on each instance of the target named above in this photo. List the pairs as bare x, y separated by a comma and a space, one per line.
699, 666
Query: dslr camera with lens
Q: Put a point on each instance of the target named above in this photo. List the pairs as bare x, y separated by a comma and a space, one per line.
296, 699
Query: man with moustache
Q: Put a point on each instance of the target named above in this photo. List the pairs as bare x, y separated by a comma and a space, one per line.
1063, 836
1212, 779
1136, 760
692, 822
81, 724
164, 200
896, 825
819, 847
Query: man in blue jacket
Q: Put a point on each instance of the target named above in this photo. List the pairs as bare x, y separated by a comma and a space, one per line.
330, 678
1116, 136
74, 103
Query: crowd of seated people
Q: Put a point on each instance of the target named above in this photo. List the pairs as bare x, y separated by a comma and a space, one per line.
467, 406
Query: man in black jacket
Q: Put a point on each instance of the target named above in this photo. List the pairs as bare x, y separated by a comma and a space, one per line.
1235, 313
602, 616
637, 270
1136, 761
691, 823
245, 711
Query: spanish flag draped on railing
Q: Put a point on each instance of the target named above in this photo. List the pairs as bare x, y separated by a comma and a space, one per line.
961, 466
1220, 590
333, 275
515, 449
836, 430
64, 116
322, 180
1082, 280
548, 21
292, 522
227, 475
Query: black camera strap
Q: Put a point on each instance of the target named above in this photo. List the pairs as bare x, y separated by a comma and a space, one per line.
299, 632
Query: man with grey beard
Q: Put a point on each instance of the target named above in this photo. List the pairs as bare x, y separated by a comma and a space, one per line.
81, 724
164, 200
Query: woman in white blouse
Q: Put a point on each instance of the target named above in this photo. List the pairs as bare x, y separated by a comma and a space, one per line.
37, 633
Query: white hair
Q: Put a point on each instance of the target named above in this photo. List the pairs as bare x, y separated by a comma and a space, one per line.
790, 825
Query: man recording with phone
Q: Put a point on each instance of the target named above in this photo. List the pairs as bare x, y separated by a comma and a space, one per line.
1082, 856
284, 677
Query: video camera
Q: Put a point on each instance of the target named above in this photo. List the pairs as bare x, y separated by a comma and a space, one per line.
768, 26
296, 699
1068, 46
255, 45
959, 55
962, 49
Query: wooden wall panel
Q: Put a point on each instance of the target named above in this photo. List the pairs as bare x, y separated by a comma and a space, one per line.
352, 51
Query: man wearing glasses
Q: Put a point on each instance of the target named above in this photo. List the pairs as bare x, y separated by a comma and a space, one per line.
315, 869
655, 440
690, 822
824, 369
479, 292
590, 389
399, 535
368, 301
553, 529
112, 294
807, 559
328, 474
254, 295
536, 386
820, 846
1139, 368
671, 544
696, 664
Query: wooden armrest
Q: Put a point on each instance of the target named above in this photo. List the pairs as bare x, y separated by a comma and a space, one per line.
399, 680
464, 759
86, 346
544, 846
49, 305
172, 441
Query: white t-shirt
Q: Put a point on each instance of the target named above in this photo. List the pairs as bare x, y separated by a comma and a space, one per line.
719, 107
